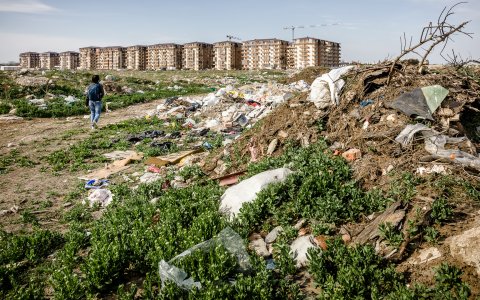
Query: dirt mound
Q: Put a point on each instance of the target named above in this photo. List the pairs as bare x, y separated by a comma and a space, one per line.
308, 74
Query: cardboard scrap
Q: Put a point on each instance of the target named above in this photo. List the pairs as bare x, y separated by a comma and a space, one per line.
230, 179
173, 158
115, 167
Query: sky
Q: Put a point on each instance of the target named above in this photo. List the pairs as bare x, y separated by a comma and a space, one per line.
368, 30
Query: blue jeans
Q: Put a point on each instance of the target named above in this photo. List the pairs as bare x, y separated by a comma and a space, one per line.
95, 109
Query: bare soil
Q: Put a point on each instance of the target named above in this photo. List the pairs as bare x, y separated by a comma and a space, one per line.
29, 187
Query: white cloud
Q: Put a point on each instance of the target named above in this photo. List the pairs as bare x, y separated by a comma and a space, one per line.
25, 6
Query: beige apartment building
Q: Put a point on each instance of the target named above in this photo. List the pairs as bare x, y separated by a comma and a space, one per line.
111, 58
30, 60
329, 54
164, 57
311, 52
227, 55
197, 56
88, 58
69, 60
136, 58
49, 60
264, 54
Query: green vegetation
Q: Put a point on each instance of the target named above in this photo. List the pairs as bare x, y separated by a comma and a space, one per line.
388, 232
118, 255
14, 158
358, 273
321, 189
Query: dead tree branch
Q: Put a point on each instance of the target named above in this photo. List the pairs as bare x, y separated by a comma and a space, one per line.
431, 36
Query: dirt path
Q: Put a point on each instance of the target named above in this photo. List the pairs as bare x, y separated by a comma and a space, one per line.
24, 132
32, 188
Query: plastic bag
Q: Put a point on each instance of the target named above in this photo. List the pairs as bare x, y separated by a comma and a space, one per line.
246, 191
228, 238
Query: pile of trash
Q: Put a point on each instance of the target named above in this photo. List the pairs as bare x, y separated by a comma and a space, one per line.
32, 81
42, 103
229, 109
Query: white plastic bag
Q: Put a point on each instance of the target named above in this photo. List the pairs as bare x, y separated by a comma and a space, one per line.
246, 191
326, 88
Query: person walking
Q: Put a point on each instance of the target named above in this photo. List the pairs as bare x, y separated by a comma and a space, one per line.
95, 94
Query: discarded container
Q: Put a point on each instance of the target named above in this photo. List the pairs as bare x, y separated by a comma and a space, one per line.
435, 145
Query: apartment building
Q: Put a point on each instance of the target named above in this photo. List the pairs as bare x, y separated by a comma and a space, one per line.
329, 54
111, 58
49, 60
311, 52
197, 56
227, 55
136, 58
164, 57
88, 58
264, 54
69, 60
30, 60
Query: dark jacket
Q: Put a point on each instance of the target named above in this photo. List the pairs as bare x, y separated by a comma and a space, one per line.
101, 90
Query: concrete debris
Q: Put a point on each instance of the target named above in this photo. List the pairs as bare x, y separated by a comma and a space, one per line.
272, 146
11, 210
272, 235
435, 169
299, 249
465, 247
259, 246
426, 255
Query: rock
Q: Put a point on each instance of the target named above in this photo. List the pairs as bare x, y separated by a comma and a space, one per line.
272, 235
387, 170
465, 247
299, 224
282, 134
426, 255
346, 238
272, 146
352, 154
259, 246
299, 249
392, 118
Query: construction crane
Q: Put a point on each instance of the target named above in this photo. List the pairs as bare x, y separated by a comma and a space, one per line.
231, 37
292, 28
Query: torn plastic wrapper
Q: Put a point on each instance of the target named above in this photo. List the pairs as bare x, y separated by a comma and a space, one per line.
420, 102
232, 242
435, 145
